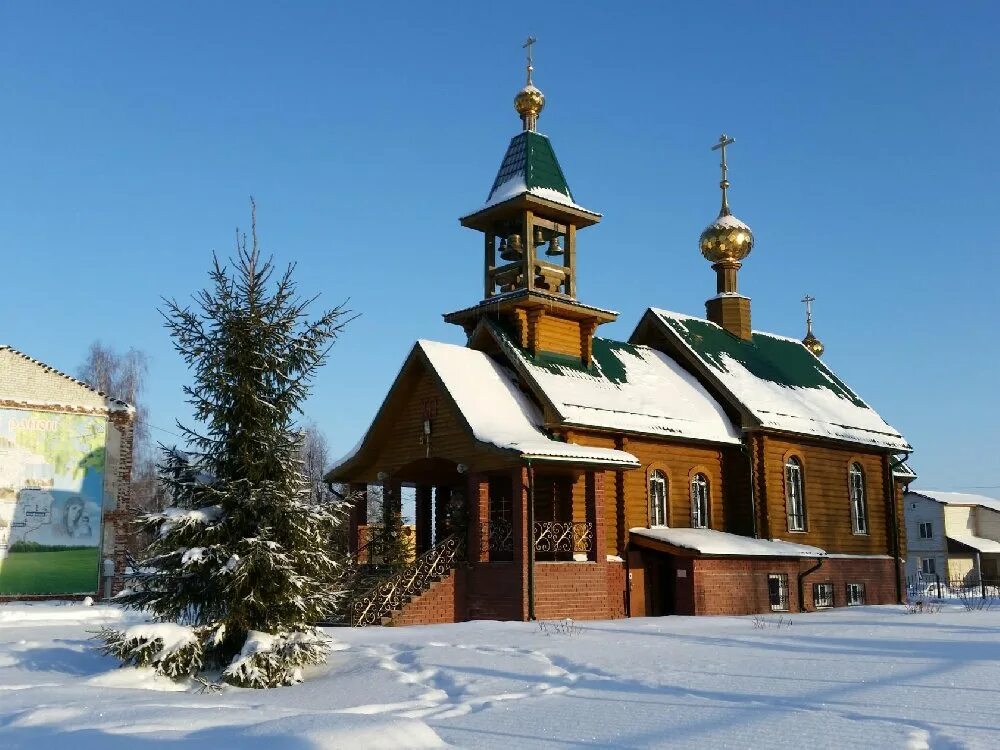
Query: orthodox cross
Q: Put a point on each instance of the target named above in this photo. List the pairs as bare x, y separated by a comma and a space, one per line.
527, 45
809, 312
724, 140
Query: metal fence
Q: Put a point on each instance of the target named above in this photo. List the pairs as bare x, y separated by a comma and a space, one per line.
970, 590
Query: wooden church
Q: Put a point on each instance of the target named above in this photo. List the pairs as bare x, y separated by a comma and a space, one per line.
700, 467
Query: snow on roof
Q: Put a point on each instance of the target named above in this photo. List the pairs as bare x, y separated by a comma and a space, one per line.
781, 383
498, 413
959, 498
517, 186
114, 404
530, 167
728, 222
976, 542
712, 542
629, 388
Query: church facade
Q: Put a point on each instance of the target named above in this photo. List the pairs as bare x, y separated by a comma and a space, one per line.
700, 467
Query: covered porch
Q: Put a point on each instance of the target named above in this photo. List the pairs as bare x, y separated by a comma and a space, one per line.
510, 515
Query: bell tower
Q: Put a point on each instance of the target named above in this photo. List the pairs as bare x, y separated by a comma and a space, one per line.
529, 224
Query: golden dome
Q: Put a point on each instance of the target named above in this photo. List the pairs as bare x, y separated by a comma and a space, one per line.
813, 344
726, 238
529, 103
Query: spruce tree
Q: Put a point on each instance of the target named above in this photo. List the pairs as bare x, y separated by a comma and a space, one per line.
241, 567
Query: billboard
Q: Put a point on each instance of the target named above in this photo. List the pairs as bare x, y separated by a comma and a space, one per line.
52, 469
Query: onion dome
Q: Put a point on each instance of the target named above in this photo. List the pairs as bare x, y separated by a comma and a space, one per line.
813, 344
726, 238
529, 103
810, 342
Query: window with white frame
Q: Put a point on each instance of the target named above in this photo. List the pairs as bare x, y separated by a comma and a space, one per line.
657, 498
822, 595
777, 591
794, 501
927, 566
926, 530
699, 502
855, 594
859, 504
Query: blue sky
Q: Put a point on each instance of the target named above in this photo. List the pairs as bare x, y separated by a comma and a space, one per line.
131, 136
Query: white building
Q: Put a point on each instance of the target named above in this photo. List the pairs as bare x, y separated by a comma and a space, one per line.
953, 535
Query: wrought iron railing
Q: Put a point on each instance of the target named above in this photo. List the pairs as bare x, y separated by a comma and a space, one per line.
566, 537
500, 532
392, 593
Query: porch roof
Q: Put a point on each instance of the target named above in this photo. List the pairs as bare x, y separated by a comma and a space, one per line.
495, 411
723, 544
499, 414
977, 543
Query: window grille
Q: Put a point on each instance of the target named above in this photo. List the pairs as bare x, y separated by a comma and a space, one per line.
794, 499
699, 502
855, 594
777, 591
859, 505
823, 595
657, 499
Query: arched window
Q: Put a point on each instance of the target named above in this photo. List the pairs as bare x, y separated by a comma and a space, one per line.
859, 504
794, 500
657, 498
699, 502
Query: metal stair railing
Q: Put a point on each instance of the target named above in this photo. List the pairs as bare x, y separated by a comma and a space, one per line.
391, 594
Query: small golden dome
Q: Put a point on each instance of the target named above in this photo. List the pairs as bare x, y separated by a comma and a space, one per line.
726, 238
813, 344
529, 103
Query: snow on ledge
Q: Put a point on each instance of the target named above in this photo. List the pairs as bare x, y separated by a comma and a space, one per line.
712, 542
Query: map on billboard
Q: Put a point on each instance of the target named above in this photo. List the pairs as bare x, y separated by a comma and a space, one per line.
52, 470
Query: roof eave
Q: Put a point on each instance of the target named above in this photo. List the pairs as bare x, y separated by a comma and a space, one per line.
482, 219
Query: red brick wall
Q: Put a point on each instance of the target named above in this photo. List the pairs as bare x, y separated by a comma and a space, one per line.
574, 589
877, 575
615, 575
443, 602
739, 586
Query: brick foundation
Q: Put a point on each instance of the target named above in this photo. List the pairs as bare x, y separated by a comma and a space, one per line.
739, 586
597, 590
576, 589
443, 602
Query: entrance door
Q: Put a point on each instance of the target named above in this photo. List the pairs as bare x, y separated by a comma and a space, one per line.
660, 584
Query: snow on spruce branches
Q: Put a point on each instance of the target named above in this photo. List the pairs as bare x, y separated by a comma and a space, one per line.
240, 566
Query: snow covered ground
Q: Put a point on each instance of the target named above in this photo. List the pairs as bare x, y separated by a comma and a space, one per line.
871, 677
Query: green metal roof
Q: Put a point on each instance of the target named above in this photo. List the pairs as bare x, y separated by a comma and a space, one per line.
530, 157
780, 383
627, 388
775, 358
901, 469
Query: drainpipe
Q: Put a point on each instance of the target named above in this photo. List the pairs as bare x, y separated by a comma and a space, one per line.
531, 541
802, 590
753, 501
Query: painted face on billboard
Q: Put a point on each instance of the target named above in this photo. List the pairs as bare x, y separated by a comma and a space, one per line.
51, 501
